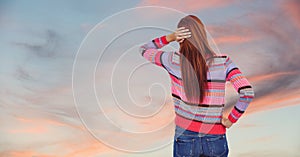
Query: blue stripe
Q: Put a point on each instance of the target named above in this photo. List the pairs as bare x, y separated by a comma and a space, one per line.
245, 99
215, 90
211, 111
199, 118
242, 105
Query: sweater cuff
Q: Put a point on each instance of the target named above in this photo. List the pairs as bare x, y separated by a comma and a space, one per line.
164, 40
160, 42
233, 120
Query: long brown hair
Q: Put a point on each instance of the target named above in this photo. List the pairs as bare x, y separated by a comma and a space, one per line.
194, 51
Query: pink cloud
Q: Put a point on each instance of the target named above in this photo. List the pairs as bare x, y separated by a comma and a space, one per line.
232, 33
57, 138
188, 5
38, 125
24, 154
32, 130
53, 122
273, 99
233, 39
271, 76
292, 8
88, 149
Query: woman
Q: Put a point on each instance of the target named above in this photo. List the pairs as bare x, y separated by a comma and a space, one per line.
198, 77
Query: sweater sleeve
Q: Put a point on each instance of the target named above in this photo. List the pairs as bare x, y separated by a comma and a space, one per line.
242, 86
151, 51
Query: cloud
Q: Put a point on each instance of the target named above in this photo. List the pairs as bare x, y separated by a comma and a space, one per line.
291, 8
24, 153
265, 46
272, 91
232, 39
275, 83
189, 5
231, 33
36, 66
279, 39
47, 49
22, 74
54, 136
37, 96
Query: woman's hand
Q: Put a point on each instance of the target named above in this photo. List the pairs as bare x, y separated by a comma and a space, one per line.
226, 122
179, 35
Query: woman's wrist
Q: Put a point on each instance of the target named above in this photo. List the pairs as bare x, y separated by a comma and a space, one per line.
170, 37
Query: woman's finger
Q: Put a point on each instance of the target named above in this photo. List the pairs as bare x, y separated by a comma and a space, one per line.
183, 37
183, 31
180, 41
180, 28
184, 34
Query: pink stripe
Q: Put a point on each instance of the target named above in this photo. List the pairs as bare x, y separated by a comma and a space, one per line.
240, 83
233, 72
149, 54
175, 91
157, 58
215, 85
213, 100
207, 100
227, 59
173, 78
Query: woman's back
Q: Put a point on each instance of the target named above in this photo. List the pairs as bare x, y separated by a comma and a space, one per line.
206, 116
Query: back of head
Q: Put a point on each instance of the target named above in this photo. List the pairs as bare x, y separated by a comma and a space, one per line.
194, 51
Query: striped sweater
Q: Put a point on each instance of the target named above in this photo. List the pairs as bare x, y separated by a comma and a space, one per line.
204, 117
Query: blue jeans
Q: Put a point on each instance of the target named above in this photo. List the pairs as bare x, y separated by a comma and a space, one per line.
193, 144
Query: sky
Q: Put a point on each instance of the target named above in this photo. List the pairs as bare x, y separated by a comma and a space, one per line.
73, 82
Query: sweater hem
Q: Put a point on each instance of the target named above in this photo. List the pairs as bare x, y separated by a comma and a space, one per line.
199, 126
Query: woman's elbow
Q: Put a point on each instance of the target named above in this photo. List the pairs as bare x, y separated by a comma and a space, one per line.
142, 50
248, 93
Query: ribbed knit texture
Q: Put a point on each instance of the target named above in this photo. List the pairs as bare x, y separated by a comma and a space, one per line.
204, 117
